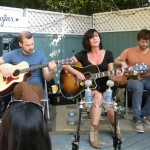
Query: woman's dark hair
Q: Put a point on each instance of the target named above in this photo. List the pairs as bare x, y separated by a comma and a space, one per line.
23, 127
143, 34
85, 41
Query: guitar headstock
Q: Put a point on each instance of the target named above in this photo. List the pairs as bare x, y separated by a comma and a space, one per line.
68, 61
140, 68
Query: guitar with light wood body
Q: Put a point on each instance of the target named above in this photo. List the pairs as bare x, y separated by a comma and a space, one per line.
21, 72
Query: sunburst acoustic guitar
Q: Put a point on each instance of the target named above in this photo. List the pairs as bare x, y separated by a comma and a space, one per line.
21, 72
71, 88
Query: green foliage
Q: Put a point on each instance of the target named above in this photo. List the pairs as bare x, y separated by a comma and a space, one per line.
66, 6
84, 7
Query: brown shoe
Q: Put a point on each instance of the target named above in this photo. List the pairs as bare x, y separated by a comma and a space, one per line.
94, 141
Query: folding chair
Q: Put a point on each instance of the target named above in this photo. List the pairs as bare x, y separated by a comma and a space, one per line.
45, 101
126, 98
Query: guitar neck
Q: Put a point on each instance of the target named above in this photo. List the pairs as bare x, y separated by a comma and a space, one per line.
137, 68
103, 74
108, 73
65, 62
33, 68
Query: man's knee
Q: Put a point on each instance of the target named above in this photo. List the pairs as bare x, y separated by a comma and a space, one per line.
24, 84
135, 85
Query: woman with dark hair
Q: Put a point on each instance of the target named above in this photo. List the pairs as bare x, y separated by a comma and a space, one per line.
23, 127
94, 54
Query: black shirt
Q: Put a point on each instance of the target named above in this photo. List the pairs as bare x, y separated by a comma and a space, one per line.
108, 58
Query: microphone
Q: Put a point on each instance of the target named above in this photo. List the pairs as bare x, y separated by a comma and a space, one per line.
88, 93
88, 83
110, 83
108, 94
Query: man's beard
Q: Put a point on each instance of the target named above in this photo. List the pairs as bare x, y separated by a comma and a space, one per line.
143, 47
29, 52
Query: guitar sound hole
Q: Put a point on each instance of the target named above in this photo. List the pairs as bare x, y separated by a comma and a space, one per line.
87, 76
16, 72
4, 79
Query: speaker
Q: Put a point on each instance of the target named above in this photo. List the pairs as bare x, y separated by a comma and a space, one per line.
14, 43
5, 44
8, 43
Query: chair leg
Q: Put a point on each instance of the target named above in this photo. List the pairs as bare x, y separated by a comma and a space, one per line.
48, 114
46, 107
127, 117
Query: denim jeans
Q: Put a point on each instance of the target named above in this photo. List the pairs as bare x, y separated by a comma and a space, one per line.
137, 88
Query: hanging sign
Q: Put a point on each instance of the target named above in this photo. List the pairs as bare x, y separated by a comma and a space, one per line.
12, 19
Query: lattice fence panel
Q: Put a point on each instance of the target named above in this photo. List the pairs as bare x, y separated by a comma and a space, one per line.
48, 22
126, 20
57, 23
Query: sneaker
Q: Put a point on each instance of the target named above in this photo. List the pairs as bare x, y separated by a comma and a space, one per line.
145, 122
139, 127
148, 118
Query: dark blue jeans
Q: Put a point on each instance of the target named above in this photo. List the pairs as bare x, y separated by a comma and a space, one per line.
137, 88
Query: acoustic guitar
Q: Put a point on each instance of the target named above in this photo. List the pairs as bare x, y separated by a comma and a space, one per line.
70, 86
133, 74
21, 72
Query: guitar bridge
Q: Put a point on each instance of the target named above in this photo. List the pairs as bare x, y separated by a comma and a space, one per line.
82, 83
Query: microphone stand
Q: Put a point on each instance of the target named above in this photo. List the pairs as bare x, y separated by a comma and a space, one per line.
75, 142
116, 141
108, 100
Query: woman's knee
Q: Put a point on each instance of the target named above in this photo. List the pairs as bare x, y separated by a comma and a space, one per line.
97, 98
110, 111
96, 94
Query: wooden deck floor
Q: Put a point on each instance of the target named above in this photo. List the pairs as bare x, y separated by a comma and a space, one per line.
62, 134
133, 141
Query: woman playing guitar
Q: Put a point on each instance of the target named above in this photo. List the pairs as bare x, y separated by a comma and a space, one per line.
94, 55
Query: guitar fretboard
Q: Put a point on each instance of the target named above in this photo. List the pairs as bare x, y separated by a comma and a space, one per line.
137, 68
33, 68
63, 62
103, 74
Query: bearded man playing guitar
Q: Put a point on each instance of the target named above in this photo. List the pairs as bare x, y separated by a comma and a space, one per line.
129, 57
94, 54
33, 89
